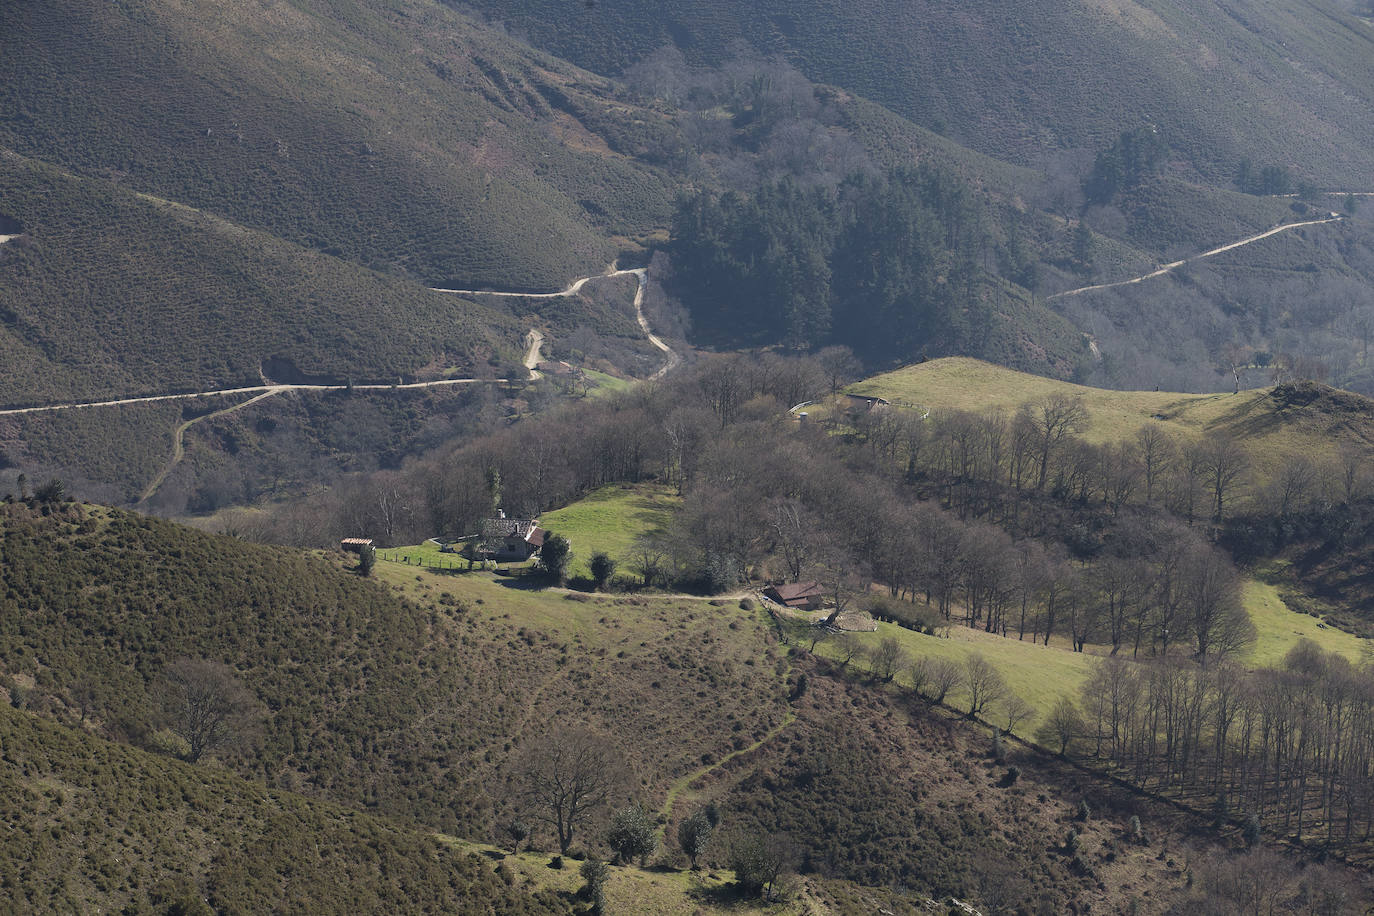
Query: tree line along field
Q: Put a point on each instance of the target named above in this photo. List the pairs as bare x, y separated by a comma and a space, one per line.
1275, 424
1107, 548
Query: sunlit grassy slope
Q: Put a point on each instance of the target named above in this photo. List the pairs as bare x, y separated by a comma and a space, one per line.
1042, 674
1273, 422
610, 520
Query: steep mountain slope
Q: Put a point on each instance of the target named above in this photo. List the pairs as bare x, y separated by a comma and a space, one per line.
396, 135
109, 293
1288, 84
95, 826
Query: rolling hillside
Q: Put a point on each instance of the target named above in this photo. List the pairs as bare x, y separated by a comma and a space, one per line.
394, 135
98, 826
399, 702
1275, 423
1289, 85
109, 293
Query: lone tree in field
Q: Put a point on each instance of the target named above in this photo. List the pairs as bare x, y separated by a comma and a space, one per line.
984, 684
602, 567
694, 835
555, 556
567, 776
633, 834
205, 705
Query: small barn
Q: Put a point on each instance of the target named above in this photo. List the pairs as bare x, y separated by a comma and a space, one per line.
354, 545
800, 596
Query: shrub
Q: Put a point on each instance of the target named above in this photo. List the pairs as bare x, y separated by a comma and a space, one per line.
633, 834
693, 836
602, 567
595, 872
519, 832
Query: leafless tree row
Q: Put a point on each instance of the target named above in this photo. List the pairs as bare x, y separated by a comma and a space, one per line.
983, 462
1291, 747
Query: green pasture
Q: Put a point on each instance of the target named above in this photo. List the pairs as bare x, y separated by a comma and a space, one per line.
610, 520
1271, 431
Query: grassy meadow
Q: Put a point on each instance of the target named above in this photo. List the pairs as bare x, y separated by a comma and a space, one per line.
1041, 674
610, 520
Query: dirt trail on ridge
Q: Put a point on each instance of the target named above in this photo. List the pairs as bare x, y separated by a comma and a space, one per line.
1175, 265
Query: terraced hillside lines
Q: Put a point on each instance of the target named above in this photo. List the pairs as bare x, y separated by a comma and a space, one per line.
1175, 265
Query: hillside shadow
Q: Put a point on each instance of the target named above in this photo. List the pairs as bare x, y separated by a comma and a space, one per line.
525, 583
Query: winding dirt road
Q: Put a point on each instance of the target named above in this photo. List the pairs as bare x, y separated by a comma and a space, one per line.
179, 440
536, 340
1175, 265
673, 359
639, 273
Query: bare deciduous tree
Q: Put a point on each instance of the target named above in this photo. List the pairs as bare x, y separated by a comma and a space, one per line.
1052, 420
567, 776
205, 705
984, 683
1015, 711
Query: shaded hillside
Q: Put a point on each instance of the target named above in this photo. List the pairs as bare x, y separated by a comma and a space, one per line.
1289, 85
395, 135
96, 826
110, 294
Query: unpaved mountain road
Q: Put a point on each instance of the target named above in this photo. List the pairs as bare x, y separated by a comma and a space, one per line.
535, 339
673, 359
179, 441
1175, 265
639, 273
